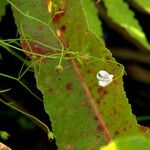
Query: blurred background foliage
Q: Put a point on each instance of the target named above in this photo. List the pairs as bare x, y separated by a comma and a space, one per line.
125, 31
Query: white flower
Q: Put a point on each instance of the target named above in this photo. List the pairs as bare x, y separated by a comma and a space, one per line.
104, 78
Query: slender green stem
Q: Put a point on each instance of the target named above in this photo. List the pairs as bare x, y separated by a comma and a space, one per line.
13, 78
41, 124
22, 74
6, 90
28, 52
14, 53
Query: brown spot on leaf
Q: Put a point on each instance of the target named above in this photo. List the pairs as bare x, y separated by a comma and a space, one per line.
58, 16
31, 49
68, 86
50, 90
89, 71
63, 28
102, 91
67, 55
117, 132
101, 128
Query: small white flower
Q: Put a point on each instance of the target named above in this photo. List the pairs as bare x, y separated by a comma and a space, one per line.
104, 78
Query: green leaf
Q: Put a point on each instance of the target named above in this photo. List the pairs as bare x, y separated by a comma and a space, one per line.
122, 18
143, 6
83, 115
91, 14
129, 143
3, 4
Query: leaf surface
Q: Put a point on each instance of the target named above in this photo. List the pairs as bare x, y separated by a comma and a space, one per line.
121, 16
141, 5
83, 115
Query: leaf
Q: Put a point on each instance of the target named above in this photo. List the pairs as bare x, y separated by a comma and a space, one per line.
3, 4
83, 115
129, 143
91, 14
120, 17
143, 6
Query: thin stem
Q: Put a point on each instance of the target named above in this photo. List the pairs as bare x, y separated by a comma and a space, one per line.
13, 78
6, 90
43, 125
21, 75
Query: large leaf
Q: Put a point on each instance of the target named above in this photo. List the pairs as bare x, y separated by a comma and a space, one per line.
91, 14
143, 6
83, 115
121, 18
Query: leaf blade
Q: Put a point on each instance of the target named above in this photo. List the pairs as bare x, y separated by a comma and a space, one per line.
73, 111
121, 16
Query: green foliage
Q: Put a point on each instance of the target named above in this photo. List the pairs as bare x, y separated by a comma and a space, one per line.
3, 4
124, 20
91, 14
78, 107
67, 53
143, 6
129, 143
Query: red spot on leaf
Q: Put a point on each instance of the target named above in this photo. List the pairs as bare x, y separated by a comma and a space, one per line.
63, 28
68, 86
67, 55
58, 16
117, 132
31, 49
101, 128
102, 91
